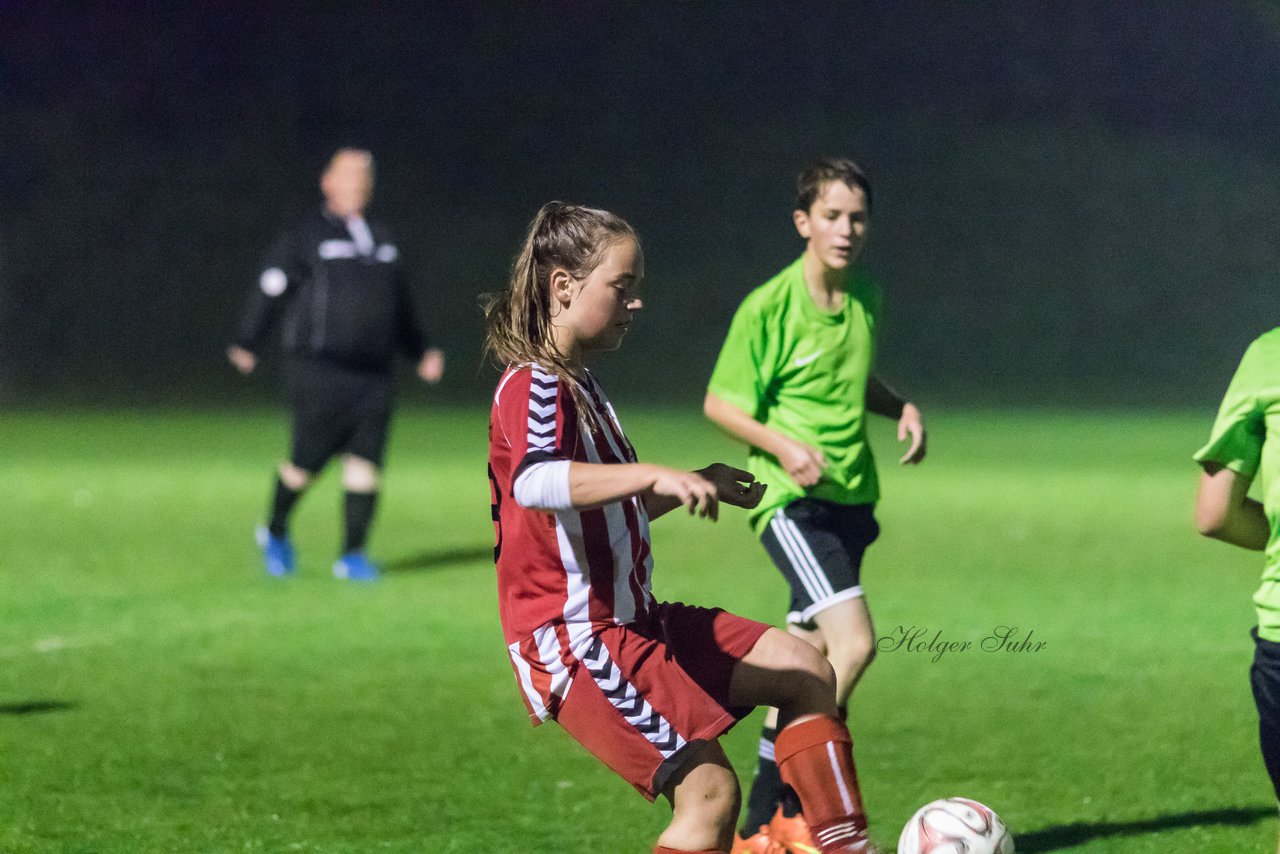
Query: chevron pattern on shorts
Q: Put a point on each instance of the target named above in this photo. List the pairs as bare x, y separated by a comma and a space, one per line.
632, 705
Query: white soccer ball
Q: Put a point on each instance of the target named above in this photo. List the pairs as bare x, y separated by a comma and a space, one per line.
955, 826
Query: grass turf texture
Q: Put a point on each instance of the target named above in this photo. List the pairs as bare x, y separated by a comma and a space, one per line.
159, 693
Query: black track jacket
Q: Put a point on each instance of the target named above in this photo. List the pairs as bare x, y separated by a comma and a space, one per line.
343, 296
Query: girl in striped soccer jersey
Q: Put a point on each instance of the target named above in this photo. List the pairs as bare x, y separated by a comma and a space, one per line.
646, 686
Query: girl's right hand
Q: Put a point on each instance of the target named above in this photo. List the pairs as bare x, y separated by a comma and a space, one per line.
804, 464
690, 489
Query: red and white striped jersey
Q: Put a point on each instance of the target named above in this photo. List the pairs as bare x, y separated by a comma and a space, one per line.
560, 574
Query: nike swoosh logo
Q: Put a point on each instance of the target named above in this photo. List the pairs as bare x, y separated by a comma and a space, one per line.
800, 363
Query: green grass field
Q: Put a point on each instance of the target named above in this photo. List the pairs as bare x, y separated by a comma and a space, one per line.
159, 693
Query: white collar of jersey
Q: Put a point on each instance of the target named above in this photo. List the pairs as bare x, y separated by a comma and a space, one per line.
360, 233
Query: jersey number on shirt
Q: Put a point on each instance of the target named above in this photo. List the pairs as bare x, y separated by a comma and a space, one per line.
496, 509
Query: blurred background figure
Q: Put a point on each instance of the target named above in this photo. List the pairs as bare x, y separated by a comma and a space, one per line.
336, 281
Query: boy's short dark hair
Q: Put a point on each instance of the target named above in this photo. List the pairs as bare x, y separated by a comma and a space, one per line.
824, 171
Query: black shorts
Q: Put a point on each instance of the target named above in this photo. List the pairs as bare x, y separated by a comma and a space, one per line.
818, 546
1265, 678
338, 410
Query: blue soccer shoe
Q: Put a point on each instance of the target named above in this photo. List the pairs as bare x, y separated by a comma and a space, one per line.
354, 566
277, 553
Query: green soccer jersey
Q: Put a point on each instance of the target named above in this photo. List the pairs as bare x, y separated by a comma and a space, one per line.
1246, 439
803, 372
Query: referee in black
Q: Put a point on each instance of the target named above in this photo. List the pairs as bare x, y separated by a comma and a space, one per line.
337, 283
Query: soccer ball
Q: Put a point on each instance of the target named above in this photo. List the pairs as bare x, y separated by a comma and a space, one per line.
955, 826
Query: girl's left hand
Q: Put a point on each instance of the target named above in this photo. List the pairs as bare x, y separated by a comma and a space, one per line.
734, 486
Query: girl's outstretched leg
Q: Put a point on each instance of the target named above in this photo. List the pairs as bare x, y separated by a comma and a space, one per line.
814, 750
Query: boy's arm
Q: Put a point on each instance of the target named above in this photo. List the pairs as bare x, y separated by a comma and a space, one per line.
883, 400
803, 463
1224, 510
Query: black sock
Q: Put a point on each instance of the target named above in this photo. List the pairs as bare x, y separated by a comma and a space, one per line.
281, 505
790, 802
766, 788
358, 511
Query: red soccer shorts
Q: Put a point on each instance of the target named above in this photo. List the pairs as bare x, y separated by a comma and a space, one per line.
647, 691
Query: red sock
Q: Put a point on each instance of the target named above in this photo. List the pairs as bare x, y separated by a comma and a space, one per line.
815, 758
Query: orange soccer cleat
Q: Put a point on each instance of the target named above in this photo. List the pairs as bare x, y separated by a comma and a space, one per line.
791, 834
757, 843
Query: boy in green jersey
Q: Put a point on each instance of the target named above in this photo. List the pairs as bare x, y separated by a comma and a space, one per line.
1244, 442
794, 381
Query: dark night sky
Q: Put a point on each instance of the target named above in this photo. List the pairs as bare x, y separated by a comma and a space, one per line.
1074, 199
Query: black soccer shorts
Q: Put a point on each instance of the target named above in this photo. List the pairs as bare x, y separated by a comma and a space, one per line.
1265, 678
338, 410
818, 546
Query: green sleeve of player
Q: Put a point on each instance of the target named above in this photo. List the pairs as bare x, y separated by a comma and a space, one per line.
744, 368
1238, 434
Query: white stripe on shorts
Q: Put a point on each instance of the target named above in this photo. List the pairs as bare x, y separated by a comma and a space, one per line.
526, 682
808, 614
801, 556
